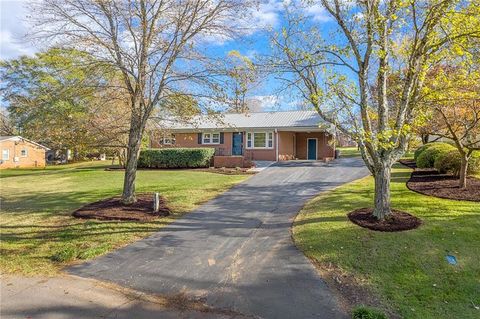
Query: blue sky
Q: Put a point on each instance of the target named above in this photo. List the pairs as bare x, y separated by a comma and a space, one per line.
14, 26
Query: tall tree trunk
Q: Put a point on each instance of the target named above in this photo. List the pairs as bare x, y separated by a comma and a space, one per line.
133, 150
463, 171
425, 138
382, 191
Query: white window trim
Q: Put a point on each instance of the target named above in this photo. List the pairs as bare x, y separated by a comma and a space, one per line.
168, 140
252, 140
26, 152
211, 142
8, 154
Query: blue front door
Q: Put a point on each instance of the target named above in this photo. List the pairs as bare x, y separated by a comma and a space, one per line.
312, 149
237, 143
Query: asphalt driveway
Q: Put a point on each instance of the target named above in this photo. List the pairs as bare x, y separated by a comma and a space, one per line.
235, 252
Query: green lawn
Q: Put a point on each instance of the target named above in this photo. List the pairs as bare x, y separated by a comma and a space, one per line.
355, 152
406, 270
36, 206
349, 151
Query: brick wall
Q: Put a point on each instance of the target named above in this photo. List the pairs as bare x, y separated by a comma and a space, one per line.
229, 161
324, 150
35, 155
191, 140
291, 146
286, 146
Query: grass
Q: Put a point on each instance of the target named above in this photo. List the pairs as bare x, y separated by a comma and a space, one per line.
407, 270
349, 151
38, 234
355, 152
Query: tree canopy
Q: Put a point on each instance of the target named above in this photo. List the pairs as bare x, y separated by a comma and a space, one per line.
367, 77
64, 99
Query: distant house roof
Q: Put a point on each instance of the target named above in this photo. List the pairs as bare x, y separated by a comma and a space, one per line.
284, 120
19, 138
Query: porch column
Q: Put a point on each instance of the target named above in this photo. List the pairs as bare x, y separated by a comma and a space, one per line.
276, 145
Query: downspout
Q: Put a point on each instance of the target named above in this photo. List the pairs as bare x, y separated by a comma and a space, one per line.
276, 145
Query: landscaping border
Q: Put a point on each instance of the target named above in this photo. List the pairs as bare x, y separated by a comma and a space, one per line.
415, 173
111, 209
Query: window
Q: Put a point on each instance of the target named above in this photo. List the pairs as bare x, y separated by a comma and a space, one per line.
215, 138
5, 154
260, 140
167, 140
211, 138
23, 152
270, 140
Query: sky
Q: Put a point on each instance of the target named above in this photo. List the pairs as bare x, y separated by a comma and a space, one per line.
14, 26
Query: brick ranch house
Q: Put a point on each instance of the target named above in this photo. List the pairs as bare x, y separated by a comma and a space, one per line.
241, 138
18, 152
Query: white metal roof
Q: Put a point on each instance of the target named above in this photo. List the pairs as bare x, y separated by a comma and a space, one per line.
19, 138
283, 120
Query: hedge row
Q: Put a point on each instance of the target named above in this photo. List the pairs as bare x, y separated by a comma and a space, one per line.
445, 158
176, 158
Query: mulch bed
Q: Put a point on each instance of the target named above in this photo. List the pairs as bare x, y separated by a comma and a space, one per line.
397, 221
113, 209
430, 182
409, 163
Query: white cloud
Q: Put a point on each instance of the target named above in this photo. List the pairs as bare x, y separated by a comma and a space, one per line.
262, 103
267, 14
259, 18
13, 28
318, 13
269, 103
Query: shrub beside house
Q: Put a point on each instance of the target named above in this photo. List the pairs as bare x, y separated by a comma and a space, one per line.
176, 158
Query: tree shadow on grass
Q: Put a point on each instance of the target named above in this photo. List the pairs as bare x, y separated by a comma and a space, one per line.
50, 171
73, 232
48, 203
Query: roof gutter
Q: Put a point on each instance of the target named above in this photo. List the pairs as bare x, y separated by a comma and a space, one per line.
250, 129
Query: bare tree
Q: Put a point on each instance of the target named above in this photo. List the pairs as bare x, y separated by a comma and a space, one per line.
6, 126
372, 40
242, 78
152, 43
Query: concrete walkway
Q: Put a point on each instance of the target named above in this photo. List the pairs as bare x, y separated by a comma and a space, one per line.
235, 252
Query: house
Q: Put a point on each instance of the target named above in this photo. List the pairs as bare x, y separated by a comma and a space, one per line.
18, 152
344, 140
241, 138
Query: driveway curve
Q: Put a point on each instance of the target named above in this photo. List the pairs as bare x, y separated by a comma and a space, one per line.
235, 252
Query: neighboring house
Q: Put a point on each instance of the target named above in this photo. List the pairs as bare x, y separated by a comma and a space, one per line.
264, 136
344, 140
20, 152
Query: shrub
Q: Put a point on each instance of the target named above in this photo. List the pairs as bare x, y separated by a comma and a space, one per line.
67, 253
450, 162
426, 159
367, 313
422, 148
419, 150
176, 158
